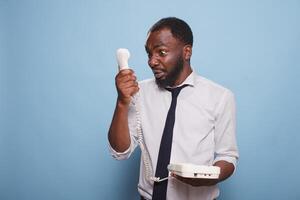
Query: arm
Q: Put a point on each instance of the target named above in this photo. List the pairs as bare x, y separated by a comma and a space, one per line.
225, 143
227, 169
118, 134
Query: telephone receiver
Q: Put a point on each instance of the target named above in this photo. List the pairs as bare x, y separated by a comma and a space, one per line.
122, 58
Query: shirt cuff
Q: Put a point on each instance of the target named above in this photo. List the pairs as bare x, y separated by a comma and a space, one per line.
120, 155
229, 159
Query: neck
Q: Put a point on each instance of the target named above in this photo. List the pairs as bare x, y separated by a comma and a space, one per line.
187, 70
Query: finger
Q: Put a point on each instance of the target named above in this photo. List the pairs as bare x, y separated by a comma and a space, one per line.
128, 78
121, 84
177, 177
183, 179
136, 89
122, 74
133, 90
129, 84
125, 78
125, 72
129, 92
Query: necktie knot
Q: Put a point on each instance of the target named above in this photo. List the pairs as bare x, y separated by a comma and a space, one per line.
175, 91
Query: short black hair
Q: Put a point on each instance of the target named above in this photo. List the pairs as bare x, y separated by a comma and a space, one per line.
179, 29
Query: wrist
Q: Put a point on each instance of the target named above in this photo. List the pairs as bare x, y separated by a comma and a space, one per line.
123, 104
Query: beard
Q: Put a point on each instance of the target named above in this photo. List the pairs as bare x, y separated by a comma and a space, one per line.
172, 76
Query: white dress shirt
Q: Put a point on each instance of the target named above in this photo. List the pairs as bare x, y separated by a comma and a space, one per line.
204, 131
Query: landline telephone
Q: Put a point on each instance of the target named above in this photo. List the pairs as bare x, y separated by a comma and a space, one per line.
186, 170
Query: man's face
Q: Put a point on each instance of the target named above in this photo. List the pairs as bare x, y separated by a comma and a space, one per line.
165, 55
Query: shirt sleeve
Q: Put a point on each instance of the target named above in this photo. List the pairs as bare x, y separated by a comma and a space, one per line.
133, 129
225, 130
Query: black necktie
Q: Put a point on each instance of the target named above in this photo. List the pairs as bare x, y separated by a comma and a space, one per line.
160, 188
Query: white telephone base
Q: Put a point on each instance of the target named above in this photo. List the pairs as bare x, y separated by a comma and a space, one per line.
188, 170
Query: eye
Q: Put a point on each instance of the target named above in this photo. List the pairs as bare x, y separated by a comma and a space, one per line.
162, 52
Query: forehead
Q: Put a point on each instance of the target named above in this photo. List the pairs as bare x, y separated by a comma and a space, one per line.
161, 37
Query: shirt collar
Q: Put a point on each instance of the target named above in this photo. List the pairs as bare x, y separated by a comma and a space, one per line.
190, 80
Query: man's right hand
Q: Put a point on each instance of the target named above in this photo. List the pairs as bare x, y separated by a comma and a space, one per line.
126, 85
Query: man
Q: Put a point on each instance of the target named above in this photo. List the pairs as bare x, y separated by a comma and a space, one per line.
203, 131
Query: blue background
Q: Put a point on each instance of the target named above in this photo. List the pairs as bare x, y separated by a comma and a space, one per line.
57, 92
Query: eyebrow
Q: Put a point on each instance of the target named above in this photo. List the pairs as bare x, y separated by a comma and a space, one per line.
155, 46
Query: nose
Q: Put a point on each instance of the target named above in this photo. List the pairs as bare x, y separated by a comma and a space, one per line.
152, 61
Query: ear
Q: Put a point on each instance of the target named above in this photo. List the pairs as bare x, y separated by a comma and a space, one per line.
187, 52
